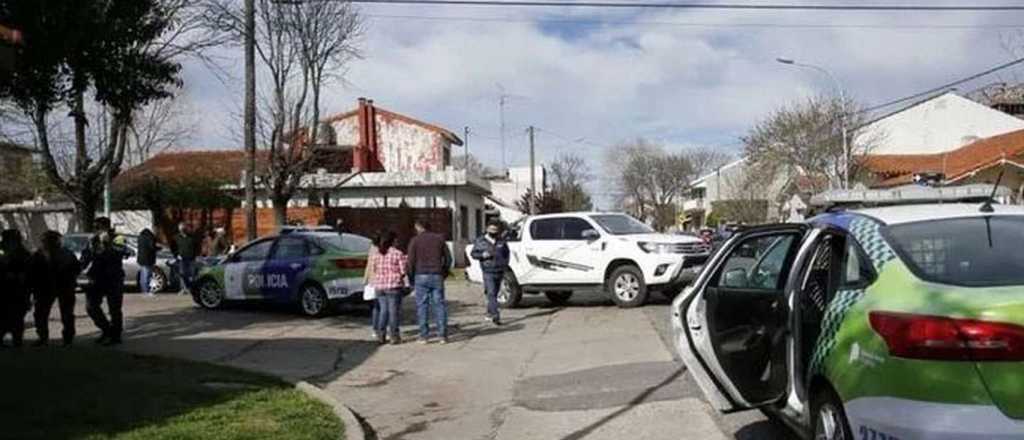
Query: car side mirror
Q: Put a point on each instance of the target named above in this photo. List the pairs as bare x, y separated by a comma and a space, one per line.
735, 278
591, 235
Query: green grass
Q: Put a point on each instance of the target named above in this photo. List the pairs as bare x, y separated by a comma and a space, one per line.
85, 393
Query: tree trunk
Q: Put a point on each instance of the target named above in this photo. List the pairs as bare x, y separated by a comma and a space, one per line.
85, 211
280, 212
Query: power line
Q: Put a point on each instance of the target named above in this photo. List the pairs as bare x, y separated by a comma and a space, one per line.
693, 24
720, 6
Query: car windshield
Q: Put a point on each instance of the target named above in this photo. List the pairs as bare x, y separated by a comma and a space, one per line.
618, 224
976, 251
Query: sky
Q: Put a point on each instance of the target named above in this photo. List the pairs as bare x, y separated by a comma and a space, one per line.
591, 78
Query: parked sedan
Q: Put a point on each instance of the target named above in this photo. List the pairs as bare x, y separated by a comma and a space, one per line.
164, 276
309, 268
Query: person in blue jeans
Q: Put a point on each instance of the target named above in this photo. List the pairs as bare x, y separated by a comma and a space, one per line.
428, 264
493, 253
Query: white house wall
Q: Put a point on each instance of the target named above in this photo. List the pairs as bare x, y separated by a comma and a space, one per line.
941, 124
409, 147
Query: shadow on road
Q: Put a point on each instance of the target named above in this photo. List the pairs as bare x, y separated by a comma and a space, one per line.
640, 398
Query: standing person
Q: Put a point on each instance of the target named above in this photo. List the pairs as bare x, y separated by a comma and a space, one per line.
221, 244
104, 257
429, 260
368, 282
185, 250
388, 280
55, 275
493, 253
146, 259
14, 292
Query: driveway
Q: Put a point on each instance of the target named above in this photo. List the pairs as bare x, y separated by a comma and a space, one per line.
586, 370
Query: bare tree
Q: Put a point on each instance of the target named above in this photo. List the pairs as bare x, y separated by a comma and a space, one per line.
302, 46
805, 139
473, 164
651, 181
159, 127
569, 173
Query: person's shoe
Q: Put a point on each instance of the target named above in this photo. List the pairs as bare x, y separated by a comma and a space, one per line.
396, 339
424, 341
381, 339
103, 340
374, 334
41, 343
488, 318
113, 341
444, 341
496, 321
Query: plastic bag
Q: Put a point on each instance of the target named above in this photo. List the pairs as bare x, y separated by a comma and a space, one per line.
369, 293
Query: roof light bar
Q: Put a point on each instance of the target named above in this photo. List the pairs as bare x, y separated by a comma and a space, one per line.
909, 194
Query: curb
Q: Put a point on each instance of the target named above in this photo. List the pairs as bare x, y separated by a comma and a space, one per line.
353, 429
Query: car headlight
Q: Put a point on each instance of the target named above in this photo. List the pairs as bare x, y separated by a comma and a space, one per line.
655, 248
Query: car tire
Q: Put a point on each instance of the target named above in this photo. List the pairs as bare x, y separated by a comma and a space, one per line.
828, 418
313, 301
511, 293
209, 295
157, 278
626, 287
558, 298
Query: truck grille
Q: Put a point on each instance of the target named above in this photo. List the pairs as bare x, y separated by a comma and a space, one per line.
694, 261
691, 248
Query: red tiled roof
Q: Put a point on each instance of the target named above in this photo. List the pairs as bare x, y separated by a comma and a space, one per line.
895, 169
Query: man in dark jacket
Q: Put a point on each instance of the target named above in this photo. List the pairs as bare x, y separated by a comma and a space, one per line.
186, 249
54, 278
105, 258
493, 253
146, 258
14, 291
429, 261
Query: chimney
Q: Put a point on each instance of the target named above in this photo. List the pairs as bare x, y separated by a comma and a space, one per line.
360, 155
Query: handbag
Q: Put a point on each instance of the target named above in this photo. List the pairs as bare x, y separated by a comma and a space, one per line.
369, 293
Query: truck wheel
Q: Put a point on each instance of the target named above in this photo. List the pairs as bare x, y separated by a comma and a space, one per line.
828, 417
510, 293
626, 287
558, 298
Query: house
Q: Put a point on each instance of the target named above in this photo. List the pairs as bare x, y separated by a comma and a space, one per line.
375, 169
508, 189
732, 196
909, 140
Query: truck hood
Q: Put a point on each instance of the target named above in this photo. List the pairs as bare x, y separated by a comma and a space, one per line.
659, 238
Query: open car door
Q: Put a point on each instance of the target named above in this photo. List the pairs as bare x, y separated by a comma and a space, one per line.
731, 326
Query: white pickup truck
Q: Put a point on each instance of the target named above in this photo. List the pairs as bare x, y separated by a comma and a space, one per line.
558, 254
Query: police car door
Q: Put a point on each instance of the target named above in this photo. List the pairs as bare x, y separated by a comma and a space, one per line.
243, 269
731, 327
286, 268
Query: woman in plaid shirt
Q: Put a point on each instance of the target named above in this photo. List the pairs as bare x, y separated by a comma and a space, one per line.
388, 280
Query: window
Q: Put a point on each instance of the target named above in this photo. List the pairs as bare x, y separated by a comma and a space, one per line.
973, 251
759, 262
258, 251
572, 228
618, 224
344, 243
289, 248
479, 222
546, 229
856, 269
463, 222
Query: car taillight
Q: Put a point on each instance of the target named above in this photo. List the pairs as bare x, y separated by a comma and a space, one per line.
350, 263
940, 338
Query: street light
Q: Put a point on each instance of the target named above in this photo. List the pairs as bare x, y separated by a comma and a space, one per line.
842, 114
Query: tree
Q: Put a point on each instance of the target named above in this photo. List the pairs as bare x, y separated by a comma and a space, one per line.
546, 203
805, 139
473, 164
650, 181
302, 46
569, 173
158, 127
114, 55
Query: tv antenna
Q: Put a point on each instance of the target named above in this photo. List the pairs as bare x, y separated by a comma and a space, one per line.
503, 99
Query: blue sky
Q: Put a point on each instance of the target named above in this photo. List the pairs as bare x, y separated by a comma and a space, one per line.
682, 78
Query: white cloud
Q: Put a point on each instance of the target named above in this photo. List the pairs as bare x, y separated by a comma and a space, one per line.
683, 85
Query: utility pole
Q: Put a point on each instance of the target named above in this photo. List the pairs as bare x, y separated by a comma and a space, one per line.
533, 178
465, 148
501, 114
250, 119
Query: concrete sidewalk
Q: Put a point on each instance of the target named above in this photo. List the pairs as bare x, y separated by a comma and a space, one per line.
586, 370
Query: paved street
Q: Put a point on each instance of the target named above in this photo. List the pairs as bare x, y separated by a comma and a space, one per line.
588, 370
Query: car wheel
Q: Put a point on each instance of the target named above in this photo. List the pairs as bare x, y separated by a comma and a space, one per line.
626, 286
558, 298
209, 295
510, 294
157, 281
829, 418
313, 301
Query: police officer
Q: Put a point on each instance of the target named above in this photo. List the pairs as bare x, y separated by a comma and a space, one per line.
14, 292
54, 278
493, 253
104, 257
